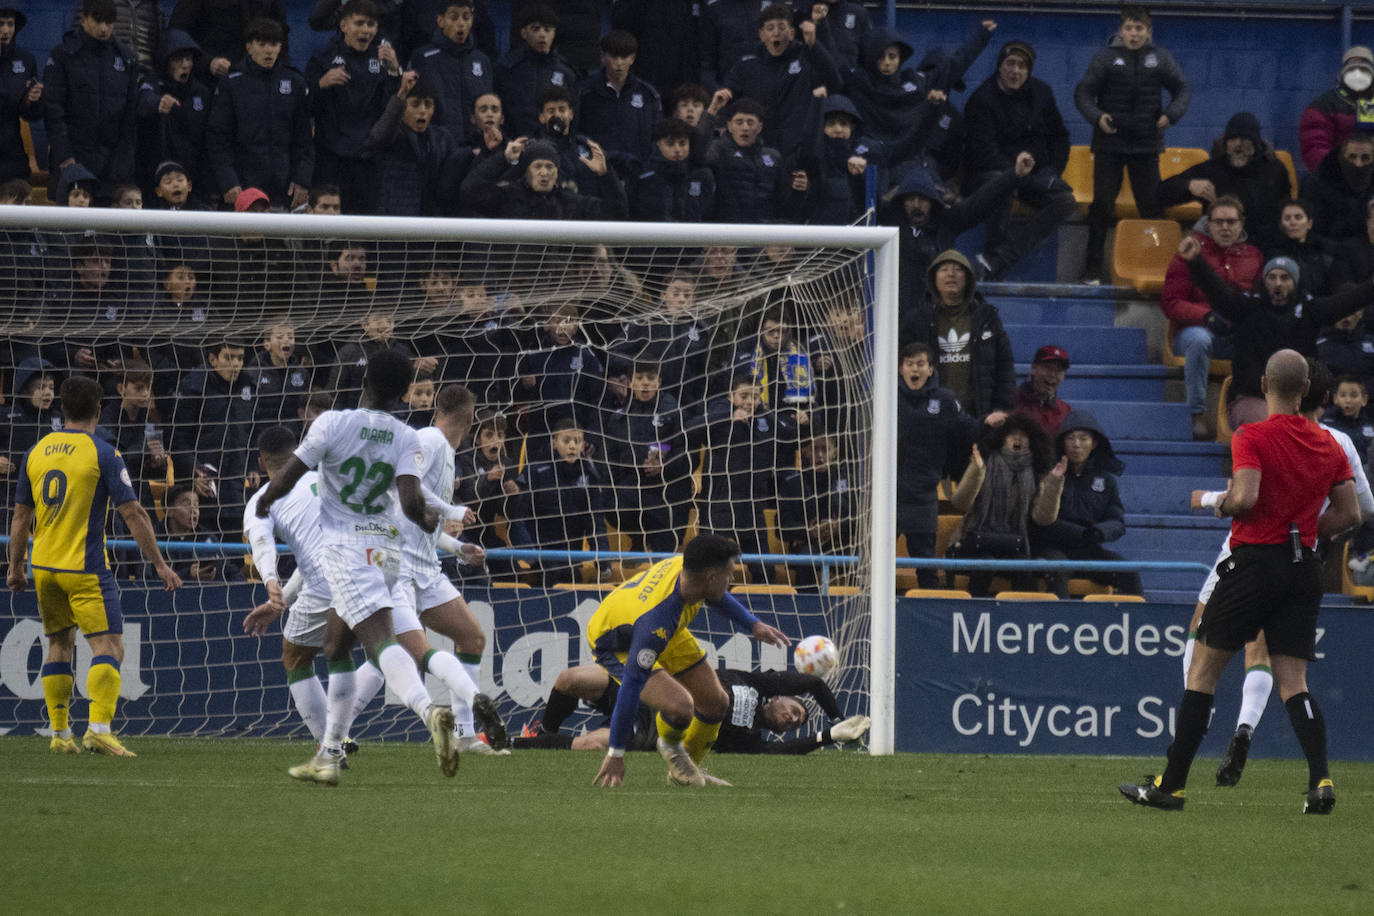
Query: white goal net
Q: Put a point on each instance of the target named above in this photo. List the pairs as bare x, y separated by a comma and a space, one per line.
635, 385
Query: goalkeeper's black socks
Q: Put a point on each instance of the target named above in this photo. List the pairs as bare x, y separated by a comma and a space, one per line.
1194, 715
556, 711
1310, 727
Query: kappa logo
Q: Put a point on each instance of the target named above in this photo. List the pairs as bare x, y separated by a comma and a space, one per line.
431, 52
954, 342
909, 86
1119, 62
661, 633
337, 61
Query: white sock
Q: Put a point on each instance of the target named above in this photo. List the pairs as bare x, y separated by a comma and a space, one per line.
1254, 696
340, 703
446, 667
1187, 658
462, 712
404, 678
367, 683
308, 694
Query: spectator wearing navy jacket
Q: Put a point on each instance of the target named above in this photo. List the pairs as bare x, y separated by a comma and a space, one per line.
530, 68
350, 81
259, 130
786, 75
458, 71
671, 189
91, 88
753, 184
173, 112
617, 108
21, 95
729, 30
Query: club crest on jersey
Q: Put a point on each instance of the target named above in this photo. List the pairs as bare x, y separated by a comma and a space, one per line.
1151, 60
694, 333
693, 189
637, 100
246, 392
1099, 485
842, 485
933, 407
119, 64
556, 79
197, 314
768, 160
17, 66
374, 66
476, 68
794, 68
763, 424
284, 87
197, 103
646, 658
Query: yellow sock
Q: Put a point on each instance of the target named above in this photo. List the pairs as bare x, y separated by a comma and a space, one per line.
700, 738
57, 691
102, 686
667, 732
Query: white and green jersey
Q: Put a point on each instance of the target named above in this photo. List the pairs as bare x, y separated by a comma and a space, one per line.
295, 518
359, 454
436, 479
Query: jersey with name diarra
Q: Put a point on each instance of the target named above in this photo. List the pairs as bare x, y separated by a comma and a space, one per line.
295, 518
359, 454
436, 476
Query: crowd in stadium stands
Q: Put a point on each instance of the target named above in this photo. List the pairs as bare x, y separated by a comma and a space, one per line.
727, 111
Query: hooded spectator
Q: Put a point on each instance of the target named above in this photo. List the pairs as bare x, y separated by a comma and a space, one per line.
173, 111
20, 95
1340, 111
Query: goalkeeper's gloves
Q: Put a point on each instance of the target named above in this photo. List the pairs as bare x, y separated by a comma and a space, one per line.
851, 729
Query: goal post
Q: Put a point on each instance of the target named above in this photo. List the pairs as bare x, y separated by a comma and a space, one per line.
540, 267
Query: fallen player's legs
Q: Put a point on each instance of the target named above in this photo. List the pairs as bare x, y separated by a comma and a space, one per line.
588, 683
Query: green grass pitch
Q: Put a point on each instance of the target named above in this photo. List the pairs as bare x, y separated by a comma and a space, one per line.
216, 826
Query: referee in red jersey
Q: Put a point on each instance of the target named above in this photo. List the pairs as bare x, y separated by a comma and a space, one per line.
1285, 468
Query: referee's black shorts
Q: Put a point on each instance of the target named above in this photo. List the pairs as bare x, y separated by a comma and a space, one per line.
1259, 587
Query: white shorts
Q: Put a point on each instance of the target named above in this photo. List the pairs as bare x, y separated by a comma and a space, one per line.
306, 619
417, 592
360, 578
1205, 595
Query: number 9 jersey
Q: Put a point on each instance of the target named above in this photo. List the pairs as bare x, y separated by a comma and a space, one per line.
359, 454
71, 479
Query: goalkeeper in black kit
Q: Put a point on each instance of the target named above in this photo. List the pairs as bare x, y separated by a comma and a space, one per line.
759, 701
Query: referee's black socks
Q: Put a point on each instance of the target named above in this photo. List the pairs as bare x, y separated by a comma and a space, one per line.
1194, 715
1310, 727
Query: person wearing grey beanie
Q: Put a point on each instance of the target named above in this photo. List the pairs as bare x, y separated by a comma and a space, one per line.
1270, 317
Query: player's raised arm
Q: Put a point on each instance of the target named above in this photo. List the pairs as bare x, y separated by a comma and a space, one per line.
141, 527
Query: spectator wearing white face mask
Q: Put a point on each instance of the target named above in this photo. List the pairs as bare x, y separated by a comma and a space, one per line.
1340, 111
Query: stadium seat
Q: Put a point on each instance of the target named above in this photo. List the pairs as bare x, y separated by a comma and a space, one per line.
598, 587
1141, 253
1081, 588
847, 591
1012, 595
1172, 161
1348, 586
38, 178
1217, 368
763, 589
502, 584
1282, 155
781, 572
937, 593
1078, 174
1223, 422
906, 576
1115, 599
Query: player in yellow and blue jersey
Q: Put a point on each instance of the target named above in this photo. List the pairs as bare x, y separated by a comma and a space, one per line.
66, 485
639, 635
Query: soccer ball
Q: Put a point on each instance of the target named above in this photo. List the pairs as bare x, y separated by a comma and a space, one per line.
815, 655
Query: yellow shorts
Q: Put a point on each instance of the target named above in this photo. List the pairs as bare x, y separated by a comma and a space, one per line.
612, 628
86, 600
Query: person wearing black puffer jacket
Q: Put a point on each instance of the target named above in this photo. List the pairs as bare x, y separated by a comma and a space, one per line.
1090, 510
975, 359
1121, 97
530, 189
671, 189
21, 96
173, 111
753, 182
458, 71
91, 87
259, 130
531, 67
1340, 189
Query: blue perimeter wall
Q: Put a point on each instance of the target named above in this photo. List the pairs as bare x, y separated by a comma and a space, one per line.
1271, 67
972, 676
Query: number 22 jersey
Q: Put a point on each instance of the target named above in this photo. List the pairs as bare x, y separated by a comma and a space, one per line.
359, 454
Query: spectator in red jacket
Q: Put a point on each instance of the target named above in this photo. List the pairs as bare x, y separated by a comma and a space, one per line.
1038, 396
1190, 317
1339, 112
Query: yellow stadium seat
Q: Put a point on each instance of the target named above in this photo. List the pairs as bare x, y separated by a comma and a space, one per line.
1217, 368
1078, 174
937, 593
1223, 421
501, 584
1141, 253
906, 576
763, 589
845, 590
1012, 595
1348, 586
1119, 599
1282, 155
600, 588
1178, 159
1081, 588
